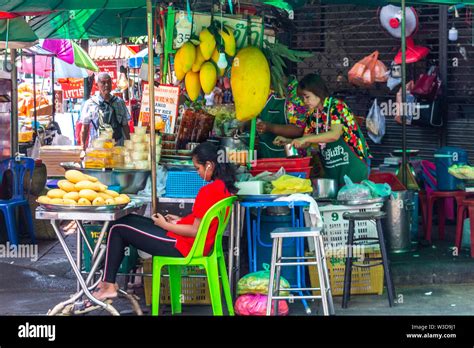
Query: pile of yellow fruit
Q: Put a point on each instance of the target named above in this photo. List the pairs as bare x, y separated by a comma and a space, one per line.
82, 189
197, 65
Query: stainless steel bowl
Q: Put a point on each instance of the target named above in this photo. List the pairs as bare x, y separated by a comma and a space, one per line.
129, 180
324, 188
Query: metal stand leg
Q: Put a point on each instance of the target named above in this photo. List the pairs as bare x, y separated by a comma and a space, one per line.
322, 278
386, 267
78, 275
348, 270
326, 276
272, 277
278, 272
231, 249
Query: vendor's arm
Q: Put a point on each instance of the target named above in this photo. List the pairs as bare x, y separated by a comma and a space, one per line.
183, 230
328, 137
285, 130
84, 135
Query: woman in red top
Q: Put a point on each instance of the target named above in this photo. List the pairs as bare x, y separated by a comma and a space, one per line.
151, 236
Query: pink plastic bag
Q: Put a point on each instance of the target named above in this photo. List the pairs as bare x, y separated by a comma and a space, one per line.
256, 304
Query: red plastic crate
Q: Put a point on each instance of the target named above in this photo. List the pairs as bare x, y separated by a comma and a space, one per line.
287, 163
306, 170
389, 178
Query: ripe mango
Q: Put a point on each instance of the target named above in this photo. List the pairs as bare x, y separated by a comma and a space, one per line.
208, 77
72, 195
111, 193
207, 43
198, 61
250, 82
185, 57
56, 193
193, 86
66, 186
229, 40
84, 201
75, 176
44, 200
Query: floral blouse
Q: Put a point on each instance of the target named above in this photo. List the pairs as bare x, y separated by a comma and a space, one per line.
340, 114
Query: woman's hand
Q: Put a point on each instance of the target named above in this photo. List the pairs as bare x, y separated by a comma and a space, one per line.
172, 218
280, 141
263, 127
159, 220
299, 143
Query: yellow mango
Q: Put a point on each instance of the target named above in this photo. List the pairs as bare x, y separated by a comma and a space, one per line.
207, 43
208, 77
198, 61
120, 200
72, 195
66, 186
85, 184
102, 187
124, 196
59, 201
69, 202
215, 56
110, 201
44, 200
84, 201
105, 196
75, 176
56, 193
229, 40
88, 194
91, 178
250, 82
193, 86
111, 193
98, 201
178, 70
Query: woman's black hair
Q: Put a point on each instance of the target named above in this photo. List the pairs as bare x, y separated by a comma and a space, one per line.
223, 170
315, 84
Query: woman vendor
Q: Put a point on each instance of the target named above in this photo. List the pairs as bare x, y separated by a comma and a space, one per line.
169, 235
331, 124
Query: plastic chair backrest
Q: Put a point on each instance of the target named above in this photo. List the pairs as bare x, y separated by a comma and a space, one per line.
221, 210
18, 170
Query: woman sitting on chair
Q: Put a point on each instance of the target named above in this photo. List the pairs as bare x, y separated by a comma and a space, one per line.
151, 236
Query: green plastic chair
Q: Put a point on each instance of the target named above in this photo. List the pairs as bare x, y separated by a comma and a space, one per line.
214, 264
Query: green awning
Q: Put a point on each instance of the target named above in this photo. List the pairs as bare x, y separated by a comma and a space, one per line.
91, 24
17, 32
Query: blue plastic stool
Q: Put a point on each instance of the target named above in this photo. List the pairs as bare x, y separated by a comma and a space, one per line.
19, 199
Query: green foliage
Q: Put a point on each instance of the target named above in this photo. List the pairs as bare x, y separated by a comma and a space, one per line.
277, 54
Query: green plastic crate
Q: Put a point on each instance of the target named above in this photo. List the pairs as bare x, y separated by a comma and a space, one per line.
92, 232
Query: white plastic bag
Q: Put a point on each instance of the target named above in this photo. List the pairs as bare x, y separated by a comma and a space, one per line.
375, 123
60, 139
36, 148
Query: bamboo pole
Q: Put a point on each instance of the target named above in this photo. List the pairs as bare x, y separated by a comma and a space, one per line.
151, 87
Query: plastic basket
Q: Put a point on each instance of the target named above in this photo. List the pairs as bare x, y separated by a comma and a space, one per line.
305, 170
194, 288
368, 280
183, 184
389, 178
335, 228
287, 163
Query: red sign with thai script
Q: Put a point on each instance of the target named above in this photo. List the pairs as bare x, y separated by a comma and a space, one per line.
73, 88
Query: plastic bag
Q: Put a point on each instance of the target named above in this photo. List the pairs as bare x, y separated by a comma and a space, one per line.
257, 283
380, 71
363, 72
393, 82
287, 184
36, 148
61, 140
353, 192
378, 190
256, 304
410, 104
375, 123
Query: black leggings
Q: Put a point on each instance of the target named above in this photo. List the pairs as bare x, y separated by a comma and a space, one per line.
142, 233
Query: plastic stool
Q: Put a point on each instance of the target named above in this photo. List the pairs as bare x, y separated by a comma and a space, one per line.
430, 200
366, 216
467, 206
278, 261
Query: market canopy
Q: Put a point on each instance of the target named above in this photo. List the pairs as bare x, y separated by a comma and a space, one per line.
16, 33
141, 57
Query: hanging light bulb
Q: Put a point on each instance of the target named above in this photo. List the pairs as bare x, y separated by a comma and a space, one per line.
222, 62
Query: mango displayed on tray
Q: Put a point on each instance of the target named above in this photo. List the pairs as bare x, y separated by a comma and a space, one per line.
83, 190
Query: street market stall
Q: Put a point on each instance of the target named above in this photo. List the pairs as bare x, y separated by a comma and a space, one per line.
216, 73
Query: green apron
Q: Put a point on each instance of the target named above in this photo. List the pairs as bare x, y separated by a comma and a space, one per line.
273, 112
339, 159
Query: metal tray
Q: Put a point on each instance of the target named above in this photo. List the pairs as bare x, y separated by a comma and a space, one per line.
362, 202
262, 197
82, 208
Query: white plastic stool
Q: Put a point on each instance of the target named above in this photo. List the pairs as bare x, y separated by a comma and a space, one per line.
278, 261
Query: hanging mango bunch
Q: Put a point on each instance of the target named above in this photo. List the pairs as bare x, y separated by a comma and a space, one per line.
200, 61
